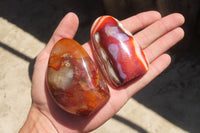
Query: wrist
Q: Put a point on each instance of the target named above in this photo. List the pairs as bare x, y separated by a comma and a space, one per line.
37, 122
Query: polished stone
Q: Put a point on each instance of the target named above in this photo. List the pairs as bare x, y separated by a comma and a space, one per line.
74, 80
118, 54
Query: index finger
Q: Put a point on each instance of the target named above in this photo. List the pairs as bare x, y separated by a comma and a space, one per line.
140, 20
134, 23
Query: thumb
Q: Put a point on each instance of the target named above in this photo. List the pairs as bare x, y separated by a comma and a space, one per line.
66, 29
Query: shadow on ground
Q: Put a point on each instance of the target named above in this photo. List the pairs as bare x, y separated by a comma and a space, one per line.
175, 94
40, 18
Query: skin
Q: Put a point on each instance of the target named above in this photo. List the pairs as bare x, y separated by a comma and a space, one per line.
157, 34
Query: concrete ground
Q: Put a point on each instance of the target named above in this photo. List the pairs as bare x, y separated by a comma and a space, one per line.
170, 104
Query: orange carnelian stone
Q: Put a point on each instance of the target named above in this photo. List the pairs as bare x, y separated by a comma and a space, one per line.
73, 79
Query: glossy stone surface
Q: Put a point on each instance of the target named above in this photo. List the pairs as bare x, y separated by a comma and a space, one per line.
73, 79
118, 54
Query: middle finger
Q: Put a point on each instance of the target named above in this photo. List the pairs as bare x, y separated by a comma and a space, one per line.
158, 29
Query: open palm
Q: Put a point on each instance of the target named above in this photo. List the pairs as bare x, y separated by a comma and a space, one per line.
155, 37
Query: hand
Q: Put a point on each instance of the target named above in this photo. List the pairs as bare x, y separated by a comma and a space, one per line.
155, 37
